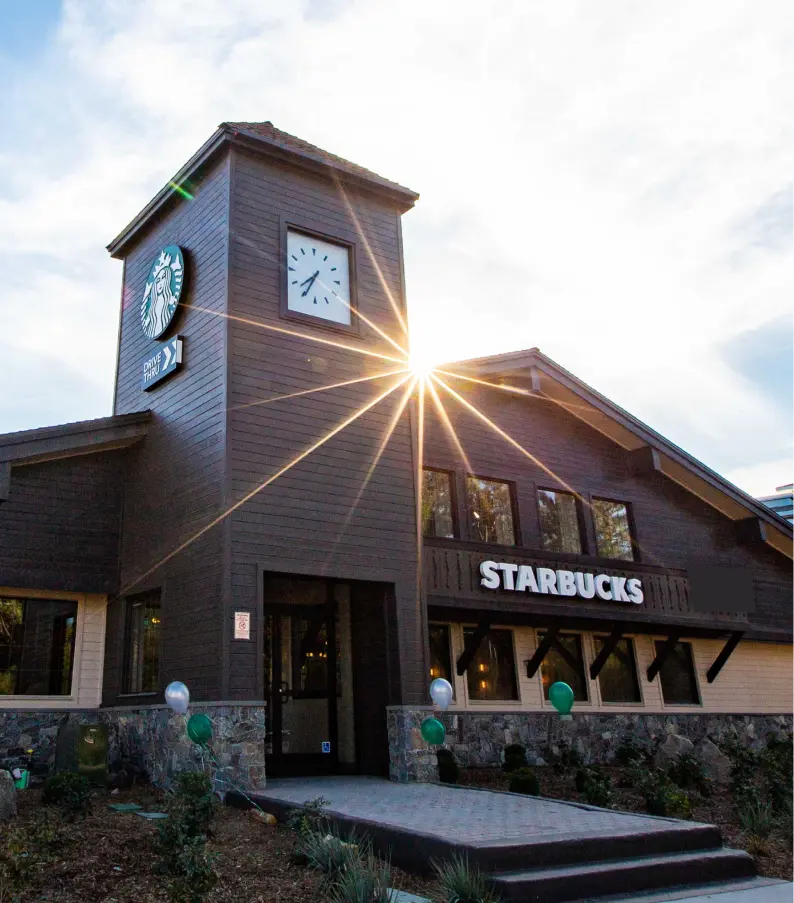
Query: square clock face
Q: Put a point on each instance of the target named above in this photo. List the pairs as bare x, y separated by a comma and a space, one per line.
318, 278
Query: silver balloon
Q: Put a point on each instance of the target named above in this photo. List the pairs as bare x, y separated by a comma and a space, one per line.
441, 693
177, 696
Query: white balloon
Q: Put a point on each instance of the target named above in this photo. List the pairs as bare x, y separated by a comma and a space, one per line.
441, 693
177, 696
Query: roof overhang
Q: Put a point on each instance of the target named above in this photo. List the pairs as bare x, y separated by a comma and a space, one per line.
534, 374
227, 136
71, 439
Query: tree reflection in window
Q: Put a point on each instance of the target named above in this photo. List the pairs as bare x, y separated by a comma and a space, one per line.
491, 511
437, 515
612, 530
492, 672
559, 522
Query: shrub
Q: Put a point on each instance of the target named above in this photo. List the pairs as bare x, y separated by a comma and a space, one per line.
745, 765
594, 786
309, 817
364, 882
689, 773
757, 818
629, 751
661, 795
515, 757
462, 883
777, 771
565, 756
329, 853
448, 768
524, 780
71, 793
181, 840
194, 801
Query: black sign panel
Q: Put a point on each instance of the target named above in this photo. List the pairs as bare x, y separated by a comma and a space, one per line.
163, 361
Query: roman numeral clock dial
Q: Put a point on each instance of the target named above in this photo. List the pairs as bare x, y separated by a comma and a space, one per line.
318, 278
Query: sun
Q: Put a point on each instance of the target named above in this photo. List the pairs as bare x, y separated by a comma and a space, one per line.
421, 364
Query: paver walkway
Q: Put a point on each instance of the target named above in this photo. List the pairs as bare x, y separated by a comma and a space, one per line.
461, 815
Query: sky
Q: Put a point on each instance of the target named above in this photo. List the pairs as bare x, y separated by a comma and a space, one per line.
610, 182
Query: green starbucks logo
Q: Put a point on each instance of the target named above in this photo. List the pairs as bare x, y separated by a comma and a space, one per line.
163, 288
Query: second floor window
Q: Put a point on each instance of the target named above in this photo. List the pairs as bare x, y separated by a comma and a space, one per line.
559, 522
491, 511
437, 506
612, 530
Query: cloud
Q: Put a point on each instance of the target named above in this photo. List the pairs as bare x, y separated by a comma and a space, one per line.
606, 181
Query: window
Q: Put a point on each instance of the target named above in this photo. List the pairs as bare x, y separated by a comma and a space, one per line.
36, 647
559, 522
677, 674
618, 678
492, 672
143, 644
612, 530
491, 511
566, 665
437, 507
440, 657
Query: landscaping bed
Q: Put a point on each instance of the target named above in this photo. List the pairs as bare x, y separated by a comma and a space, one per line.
108, 856
718, 808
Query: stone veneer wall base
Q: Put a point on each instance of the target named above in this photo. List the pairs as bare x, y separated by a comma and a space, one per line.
478, 739
154, 737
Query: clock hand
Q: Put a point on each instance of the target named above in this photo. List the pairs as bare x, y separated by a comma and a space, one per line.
310, 280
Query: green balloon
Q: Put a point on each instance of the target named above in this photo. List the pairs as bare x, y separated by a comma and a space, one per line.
433, 731
561, 697
199, 729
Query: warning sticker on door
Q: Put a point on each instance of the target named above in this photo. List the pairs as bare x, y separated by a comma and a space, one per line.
326, 746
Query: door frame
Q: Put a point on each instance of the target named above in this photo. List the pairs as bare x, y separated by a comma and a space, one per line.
280, 763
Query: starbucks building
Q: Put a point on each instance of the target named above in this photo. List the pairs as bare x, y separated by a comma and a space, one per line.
283, 516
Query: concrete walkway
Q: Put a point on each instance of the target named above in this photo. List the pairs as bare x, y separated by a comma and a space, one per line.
534, 850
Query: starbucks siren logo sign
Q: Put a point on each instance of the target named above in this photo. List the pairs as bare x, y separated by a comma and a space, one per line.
163, 288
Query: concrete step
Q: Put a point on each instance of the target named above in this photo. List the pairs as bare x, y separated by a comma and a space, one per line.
590, 880
572, 849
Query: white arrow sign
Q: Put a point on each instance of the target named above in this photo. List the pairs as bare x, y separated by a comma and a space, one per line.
168, 355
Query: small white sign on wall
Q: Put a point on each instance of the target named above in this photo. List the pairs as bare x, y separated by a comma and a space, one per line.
242, 625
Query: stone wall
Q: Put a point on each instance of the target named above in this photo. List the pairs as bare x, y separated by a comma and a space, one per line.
36, 729
152, 737
478, 739
157, 737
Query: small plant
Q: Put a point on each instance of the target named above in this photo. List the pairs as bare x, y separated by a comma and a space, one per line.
594, 786
745, 765
524, 780
71, 793
756, 816
448, 768
689, 773
515, 757
328, 852
308, 817
629, 751
192, 872
364, 882
662, 796
778, 769
17, 860
461, 882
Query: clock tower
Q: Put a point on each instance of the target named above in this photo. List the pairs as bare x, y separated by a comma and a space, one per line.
282, 466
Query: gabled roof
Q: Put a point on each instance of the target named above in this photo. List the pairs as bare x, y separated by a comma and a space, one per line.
69, 439
265, 139
648, 451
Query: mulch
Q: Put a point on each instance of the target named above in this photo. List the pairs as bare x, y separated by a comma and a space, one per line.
716, 809
107, 856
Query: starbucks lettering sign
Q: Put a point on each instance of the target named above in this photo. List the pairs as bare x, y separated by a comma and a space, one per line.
162, 291
521, 578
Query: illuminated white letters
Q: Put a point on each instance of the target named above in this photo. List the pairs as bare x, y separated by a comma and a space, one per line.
522, 578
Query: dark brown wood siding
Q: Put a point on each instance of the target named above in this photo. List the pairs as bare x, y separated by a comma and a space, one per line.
303, 522
176, 481
59, 529
674, 529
